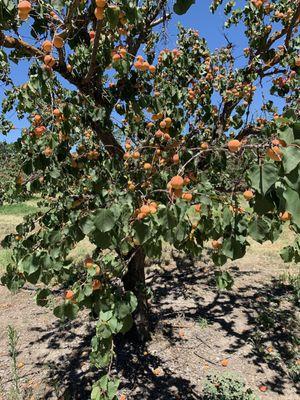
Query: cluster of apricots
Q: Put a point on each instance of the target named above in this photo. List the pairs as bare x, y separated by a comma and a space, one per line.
47, 46
24, 8
175, 188
175, 53
99, 10
275, 152
146, 209
143, 65
119, 53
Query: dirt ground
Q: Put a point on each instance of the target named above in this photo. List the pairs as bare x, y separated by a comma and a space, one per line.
194, 330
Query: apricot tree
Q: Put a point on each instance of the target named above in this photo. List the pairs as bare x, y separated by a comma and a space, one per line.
133, 149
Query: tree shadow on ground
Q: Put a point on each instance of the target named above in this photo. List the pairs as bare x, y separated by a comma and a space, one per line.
273, 327
267, 323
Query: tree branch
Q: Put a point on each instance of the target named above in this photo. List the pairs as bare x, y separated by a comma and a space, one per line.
94, 53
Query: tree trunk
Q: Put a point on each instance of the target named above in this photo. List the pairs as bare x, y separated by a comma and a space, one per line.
134, 280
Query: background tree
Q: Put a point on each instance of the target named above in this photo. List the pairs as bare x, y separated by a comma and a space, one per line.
10, 161
171, 170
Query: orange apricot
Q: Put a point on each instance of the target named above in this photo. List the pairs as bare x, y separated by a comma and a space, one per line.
285, 216
99, 13
275, 153
47, 46
88, 262
176, 182
187, 196
96, 284
175, 159
49, 61
48, 152
248, 194
147, 166
197, 208
136, 155
216, 244
234, 145
58, 42
69, 295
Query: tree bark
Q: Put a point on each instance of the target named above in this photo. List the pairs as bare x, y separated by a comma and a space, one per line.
134, 280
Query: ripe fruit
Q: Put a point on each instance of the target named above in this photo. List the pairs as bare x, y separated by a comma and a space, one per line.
92, 34
168, 122
37, 119
187, 196
56, 113
126, 156
99, 13
167, 137
116, 57
152, 69
197, 208
145, 209
19, 180
248, 194
141, 216
136, 155
285, 216
131, 186
24, 6
176, 182
186, 180
96, 284
69, 295
49, 61
275, 153
224, 362
159, 134
216, 244
48, 152
204, 146
39, 130
145, 66
234, 145
175, 159
47, 46
58, 42
88, 262
69, 68
101, 3
147, 166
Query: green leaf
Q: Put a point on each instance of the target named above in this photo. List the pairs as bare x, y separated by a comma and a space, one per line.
104, 220
66, 310
182, 6
42, 297
293, 205
224, 280
101, 240
287, 254
263, 177
112, 14
259, 230
291, 158
142, 231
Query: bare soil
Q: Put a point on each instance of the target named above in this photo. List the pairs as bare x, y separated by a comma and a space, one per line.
195, 329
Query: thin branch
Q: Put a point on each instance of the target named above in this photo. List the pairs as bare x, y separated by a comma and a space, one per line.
94, 53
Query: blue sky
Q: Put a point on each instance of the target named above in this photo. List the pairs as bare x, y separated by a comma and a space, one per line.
199, 17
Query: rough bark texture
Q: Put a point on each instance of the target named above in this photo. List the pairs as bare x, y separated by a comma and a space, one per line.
134, 280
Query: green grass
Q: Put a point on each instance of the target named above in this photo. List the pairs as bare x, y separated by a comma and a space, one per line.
20, 209
5, 258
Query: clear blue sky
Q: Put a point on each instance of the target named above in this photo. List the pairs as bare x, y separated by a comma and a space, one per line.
199, 17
